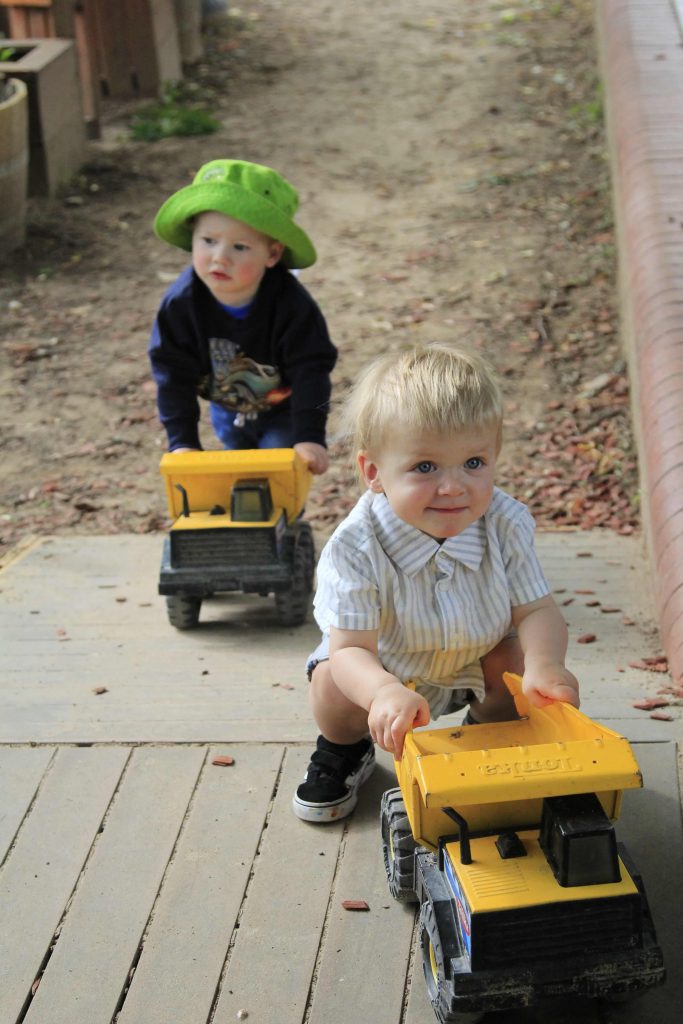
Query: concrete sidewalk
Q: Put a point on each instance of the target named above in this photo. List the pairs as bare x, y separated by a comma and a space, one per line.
140, 882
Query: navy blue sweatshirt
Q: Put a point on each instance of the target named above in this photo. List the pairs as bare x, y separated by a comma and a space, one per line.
283, 330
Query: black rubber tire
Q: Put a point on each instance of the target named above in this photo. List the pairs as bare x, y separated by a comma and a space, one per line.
292, 604
439, 985
183, 611
398, 847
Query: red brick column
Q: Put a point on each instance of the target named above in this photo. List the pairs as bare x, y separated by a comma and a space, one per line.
642, 69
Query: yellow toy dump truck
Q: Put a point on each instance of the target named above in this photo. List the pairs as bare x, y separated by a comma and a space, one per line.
237, 526
503, 833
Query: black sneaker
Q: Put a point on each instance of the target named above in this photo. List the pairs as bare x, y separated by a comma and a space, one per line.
336, 772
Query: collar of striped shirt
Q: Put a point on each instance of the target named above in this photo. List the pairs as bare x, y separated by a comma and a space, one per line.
411, 549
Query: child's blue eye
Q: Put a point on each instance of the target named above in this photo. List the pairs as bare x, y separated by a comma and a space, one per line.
425, 467
241, 247
474, 463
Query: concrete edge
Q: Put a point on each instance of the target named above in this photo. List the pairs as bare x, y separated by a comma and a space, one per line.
641, 61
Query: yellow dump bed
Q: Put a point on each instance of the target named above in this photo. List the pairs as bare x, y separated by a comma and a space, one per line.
496, 775
208, 479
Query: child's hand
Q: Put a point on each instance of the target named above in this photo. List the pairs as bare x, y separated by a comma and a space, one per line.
314, 455
394, 712
545, 682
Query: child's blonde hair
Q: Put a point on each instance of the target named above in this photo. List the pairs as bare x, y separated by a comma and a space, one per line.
427, 388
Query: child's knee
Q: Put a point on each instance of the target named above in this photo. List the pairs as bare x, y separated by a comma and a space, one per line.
321, 677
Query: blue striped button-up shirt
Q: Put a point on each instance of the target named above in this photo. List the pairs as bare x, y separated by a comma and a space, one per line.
438, 607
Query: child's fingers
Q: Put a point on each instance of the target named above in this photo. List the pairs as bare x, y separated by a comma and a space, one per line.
569, 694
423, 716
404, 723
560, 692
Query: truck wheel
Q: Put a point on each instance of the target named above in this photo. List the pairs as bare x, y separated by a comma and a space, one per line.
292, 604
398, 847
183, 611
439, 985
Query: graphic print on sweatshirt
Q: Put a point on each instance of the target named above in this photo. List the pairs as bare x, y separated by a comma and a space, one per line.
240, 384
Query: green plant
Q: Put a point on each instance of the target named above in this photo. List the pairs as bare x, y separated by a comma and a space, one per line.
179, 112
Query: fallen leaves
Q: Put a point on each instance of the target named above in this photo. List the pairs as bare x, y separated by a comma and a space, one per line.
658, 663
650, 703
355, 905
586, 638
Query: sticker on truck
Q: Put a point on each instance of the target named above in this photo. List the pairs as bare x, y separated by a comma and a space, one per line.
461, 906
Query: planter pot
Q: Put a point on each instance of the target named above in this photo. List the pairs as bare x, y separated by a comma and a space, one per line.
13, 167
57, 142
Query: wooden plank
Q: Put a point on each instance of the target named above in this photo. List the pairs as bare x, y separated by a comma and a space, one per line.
166, 685
273, 959
138, 33
21, 769
112, 60
364, 954
178, 973
90, 965
39, 876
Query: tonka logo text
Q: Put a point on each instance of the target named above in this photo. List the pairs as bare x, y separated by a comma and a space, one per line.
550, 764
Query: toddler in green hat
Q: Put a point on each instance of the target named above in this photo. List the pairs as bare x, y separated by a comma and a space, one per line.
236, 327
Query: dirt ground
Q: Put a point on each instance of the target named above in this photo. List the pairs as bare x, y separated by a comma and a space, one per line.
452, 169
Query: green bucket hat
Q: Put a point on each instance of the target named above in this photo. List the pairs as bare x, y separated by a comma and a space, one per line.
255, 194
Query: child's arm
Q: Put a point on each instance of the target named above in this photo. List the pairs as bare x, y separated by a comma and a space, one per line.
543, 636
393, 710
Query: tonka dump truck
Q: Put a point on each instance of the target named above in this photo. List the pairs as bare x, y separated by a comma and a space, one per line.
503, 833
237, 526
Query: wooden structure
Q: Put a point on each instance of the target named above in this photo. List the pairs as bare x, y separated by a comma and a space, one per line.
56, 132
141, 882
125, 49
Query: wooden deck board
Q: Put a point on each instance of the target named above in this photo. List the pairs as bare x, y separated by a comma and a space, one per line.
276, 946
21, 769
43, 867
89, 968
191, 929
208, 892
204, 894
379, 938
240, 677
